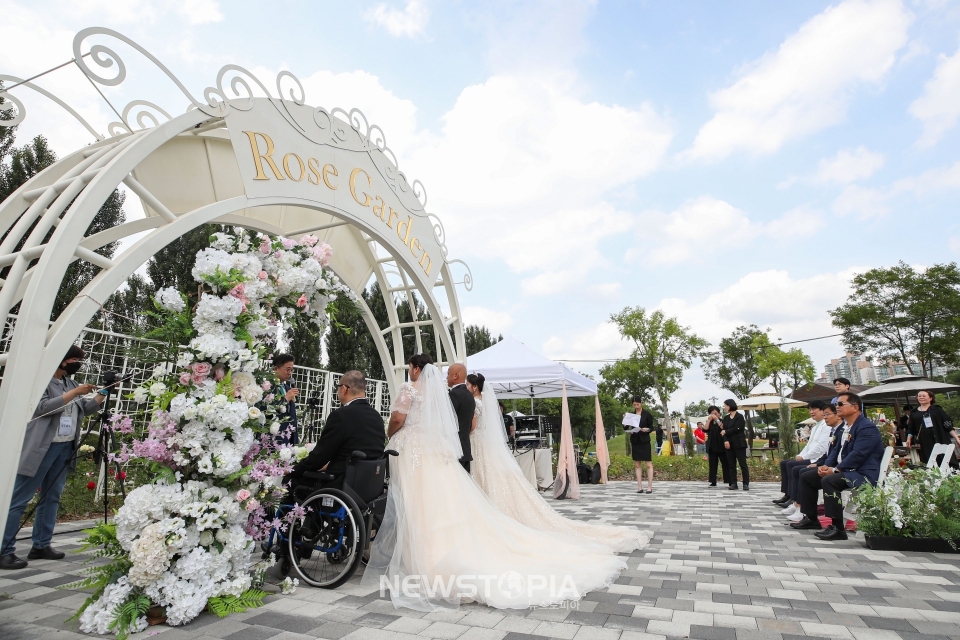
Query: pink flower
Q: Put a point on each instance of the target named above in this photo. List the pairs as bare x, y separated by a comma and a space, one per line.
269, 397
266, 385
265, 246
200, 370
185, 378
262, 275
219, 372
309, 240
288, 243
252, 505
302, 301
237, 291
242, 495
278, 254
323, 253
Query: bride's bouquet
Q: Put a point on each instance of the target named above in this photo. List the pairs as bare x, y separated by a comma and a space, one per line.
185, 542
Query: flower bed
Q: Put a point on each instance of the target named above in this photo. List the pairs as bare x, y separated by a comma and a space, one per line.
912, 504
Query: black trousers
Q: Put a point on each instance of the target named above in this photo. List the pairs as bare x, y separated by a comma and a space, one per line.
465, 464
793, 488
713, 458
832, 485
786, 469
810, 485
734, 456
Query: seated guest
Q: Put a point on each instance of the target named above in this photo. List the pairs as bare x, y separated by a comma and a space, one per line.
355, 426
817, 445
854, 462
834, 423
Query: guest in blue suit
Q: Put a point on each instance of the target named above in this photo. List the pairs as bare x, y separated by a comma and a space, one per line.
854, 462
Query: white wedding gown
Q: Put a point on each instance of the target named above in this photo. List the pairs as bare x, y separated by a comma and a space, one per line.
443, 541
496, 471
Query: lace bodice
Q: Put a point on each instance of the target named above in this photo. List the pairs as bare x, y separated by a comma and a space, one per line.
409, 401
478, 410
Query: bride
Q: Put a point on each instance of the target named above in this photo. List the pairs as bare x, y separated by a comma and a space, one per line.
442, 541
496, 471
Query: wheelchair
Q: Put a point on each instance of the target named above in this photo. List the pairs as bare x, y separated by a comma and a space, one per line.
326, 545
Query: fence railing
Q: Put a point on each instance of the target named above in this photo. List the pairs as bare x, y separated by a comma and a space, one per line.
138, 357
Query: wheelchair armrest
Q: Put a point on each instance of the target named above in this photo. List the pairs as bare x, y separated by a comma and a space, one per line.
358, 455
318, 475
391, 452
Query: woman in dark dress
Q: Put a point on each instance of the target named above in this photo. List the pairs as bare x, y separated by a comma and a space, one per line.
930, 425
716, 452
640, 445
735, 442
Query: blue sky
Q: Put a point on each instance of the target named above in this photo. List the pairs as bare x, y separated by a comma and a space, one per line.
729, 163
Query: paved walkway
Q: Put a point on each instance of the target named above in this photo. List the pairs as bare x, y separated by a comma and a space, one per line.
721, 566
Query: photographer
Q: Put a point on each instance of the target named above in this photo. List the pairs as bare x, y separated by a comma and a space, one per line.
49, 444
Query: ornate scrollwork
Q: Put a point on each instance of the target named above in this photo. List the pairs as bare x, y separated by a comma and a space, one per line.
145, 118
467, 277
22, 112
12, 104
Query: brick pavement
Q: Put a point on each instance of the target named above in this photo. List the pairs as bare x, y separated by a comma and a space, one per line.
721, 566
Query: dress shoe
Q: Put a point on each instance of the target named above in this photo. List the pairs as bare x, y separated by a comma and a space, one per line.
782, 498
832, 533
807, 523
712, 484
783, 503
746, 487
46, 553
734, 487
11, 562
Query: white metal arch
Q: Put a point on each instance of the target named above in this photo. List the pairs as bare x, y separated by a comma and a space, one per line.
62, 201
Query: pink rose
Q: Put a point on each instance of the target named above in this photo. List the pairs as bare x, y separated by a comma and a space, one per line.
200, 370
219, 373
265, 246
237, 291
269, 398
252, 505
185, 378
262, 275
278, 254
266, 385
302, 301
323, 253
242, 495
309, 240
288, 243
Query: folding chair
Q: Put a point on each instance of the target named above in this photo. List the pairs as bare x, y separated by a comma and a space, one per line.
945, 450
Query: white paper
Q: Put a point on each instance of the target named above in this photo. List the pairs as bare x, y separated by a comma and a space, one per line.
66, 426
632, 420
927, 421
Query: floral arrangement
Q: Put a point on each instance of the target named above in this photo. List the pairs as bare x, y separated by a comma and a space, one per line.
185, 542
916, 503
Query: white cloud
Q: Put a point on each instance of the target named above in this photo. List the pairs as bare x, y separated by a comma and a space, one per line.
201, 11
870, 202
938, 108
496, 321
806, 85
849, 165
682, 234
408, 22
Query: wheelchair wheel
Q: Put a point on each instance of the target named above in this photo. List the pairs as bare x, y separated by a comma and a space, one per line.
325, 546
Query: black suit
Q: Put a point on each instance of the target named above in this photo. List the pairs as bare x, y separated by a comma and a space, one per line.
464, 406
735, 432
640, 440
717, 453
354, 427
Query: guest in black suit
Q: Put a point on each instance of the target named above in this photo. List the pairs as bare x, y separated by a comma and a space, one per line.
716, 452
734, 432
464, 406
355, 426
640, 445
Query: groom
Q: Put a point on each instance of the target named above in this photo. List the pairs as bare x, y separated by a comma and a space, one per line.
463, 405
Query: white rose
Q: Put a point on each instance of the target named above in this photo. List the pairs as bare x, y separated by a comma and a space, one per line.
140, 395
254, 413
286, 453
206, 538
157, 389
222, 536
275, 428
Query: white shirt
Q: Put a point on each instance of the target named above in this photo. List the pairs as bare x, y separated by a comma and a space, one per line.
817, 443
843, 436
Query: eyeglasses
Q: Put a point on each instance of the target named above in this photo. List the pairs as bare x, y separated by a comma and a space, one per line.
846, 404
342, 385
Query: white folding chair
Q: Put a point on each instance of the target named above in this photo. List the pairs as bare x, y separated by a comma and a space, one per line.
848, 495
945, 450
885, 465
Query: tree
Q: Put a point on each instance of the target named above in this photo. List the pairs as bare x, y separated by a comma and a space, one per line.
734, 365
897, 313
172, 265
624, 379
696, 409
662, 348
351, 346
786, 369
478, 338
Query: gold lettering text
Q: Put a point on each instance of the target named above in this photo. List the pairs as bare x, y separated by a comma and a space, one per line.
330, 170
353, 186
393, 214
314, 177
426, 258
378, 208
409, 224
257, 156
414, 246
286, 167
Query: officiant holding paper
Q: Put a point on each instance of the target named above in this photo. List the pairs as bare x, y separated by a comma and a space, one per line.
639, 425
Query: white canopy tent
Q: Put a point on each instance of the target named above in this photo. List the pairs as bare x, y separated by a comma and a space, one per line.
515, 371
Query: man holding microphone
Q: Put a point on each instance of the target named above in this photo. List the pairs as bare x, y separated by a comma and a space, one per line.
49, 444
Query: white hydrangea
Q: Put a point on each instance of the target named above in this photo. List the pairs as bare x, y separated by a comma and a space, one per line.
170, 299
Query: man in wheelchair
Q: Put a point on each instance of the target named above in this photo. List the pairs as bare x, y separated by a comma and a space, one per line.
355, 426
